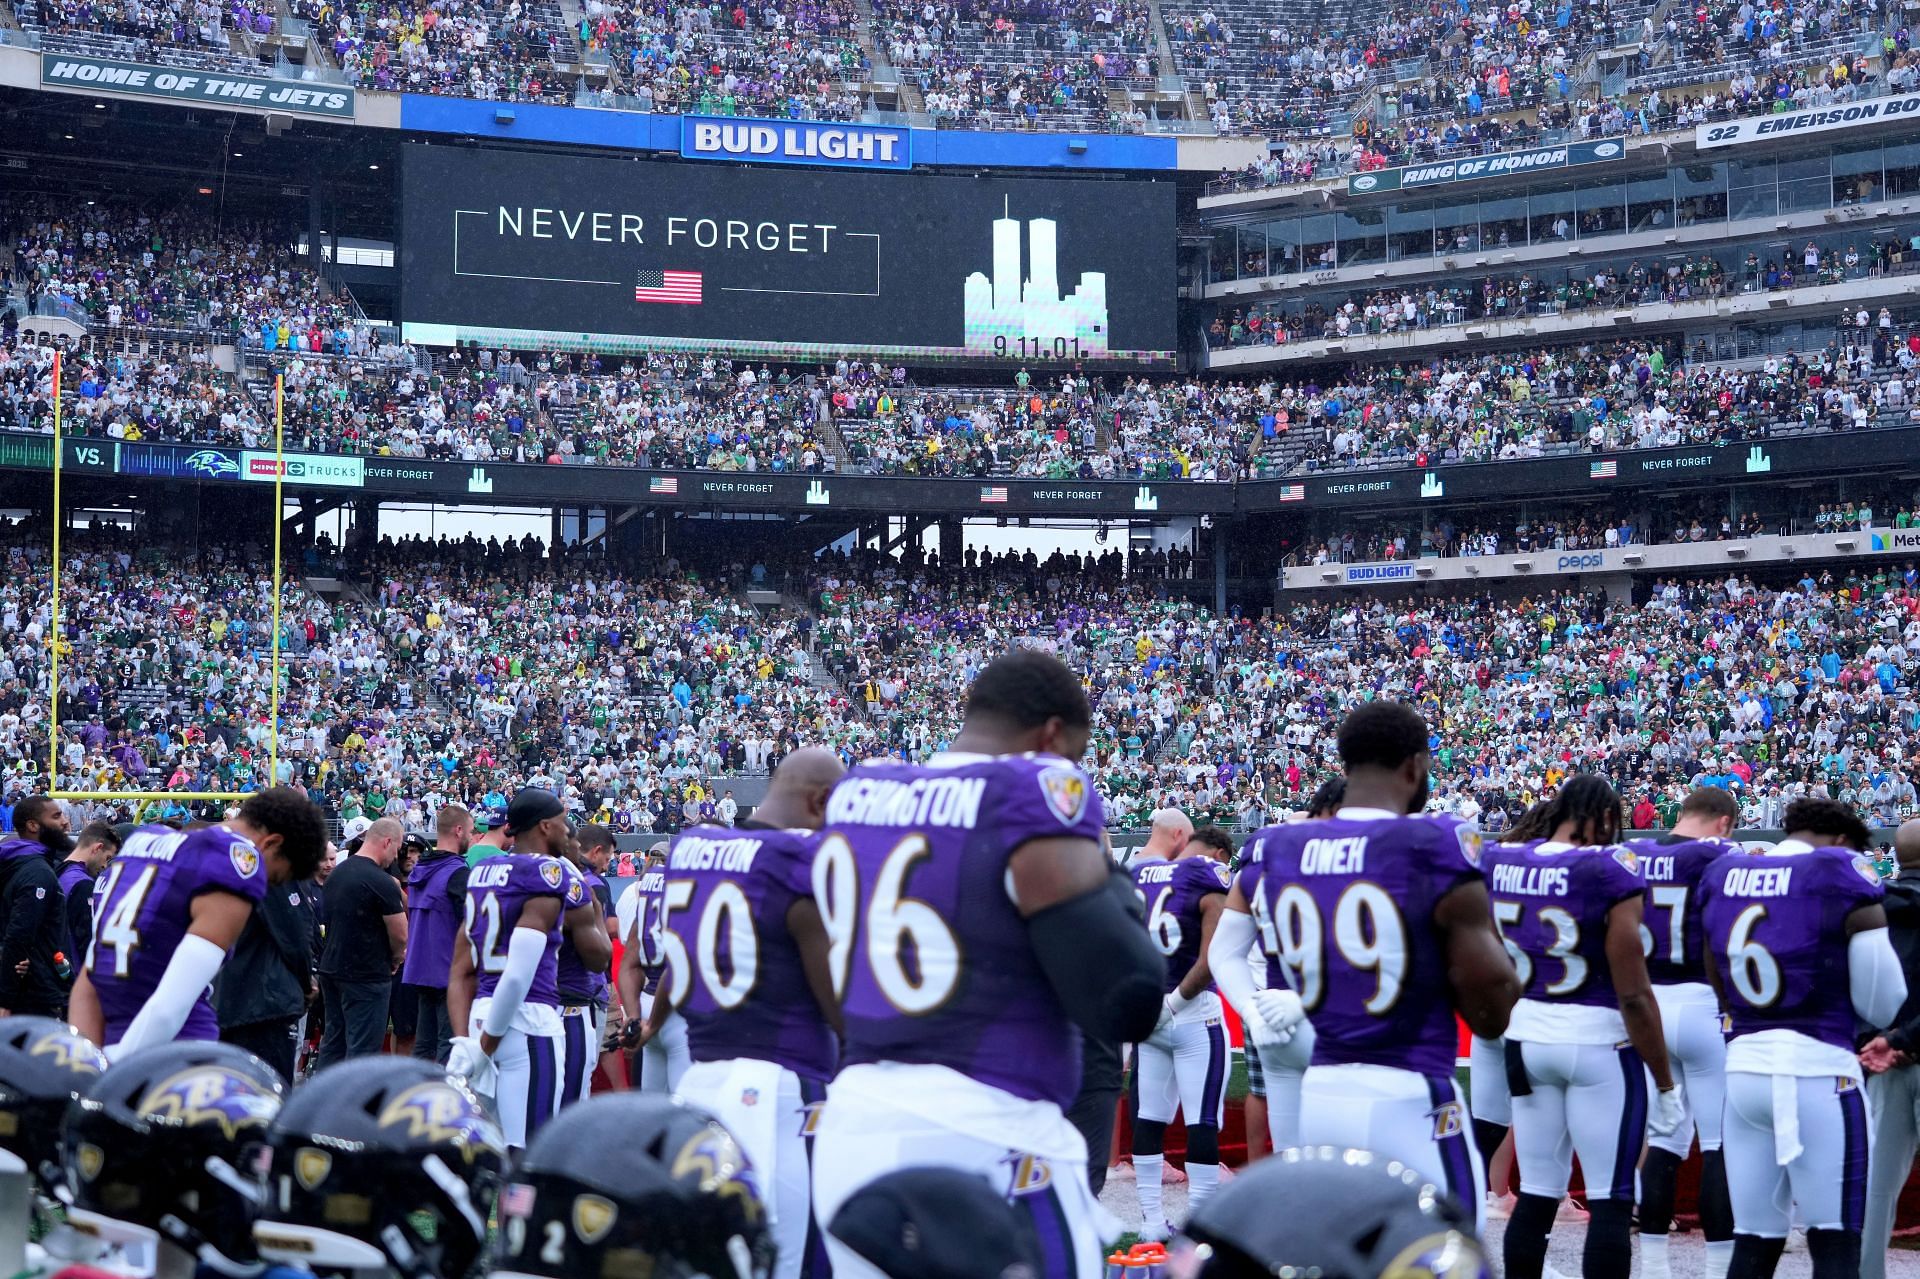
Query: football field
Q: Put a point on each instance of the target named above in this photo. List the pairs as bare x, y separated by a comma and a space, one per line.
1686, 1249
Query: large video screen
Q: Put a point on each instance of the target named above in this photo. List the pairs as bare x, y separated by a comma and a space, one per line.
522, 248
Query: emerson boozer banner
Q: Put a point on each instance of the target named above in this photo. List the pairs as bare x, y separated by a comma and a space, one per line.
184, 84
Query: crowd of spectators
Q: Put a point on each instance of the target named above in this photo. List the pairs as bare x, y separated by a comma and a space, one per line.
463, 48
128, 263
460, 670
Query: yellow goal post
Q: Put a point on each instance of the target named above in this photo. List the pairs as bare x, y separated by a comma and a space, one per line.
53, 631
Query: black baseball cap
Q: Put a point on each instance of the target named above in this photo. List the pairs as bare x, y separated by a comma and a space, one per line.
939, 1223
531, 806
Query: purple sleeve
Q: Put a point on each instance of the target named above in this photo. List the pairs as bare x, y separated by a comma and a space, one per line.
577, 893
1620, 876
230, 864
792, 866
1048, 800
1453, 855
1856, 881
540, 877
1248, 876
1204, 877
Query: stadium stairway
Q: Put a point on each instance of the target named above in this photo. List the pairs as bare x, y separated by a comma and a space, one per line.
911, 100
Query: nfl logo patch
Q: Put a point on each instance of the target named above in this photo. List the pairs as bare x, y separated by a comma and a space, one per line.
751, 1097
1066, 792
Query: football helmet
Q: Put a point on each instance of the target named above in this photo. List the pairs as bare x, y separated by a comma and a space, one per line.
1349, 1215
44, 1065
166, 1145
630, 1186
381, 1163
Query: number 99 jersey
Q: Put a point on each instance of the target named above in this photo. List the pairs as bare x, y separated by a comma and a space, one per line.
930, 955
1345, 910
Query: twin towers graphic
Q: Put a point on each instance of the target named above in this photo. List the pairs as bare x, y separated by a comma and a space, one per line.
1030, 316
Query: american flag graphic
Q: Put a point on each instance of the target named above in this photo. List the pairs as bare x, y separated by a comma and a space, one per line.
667, 484
1603, 470
1293, 492
682, 287
516, 1200
993, 492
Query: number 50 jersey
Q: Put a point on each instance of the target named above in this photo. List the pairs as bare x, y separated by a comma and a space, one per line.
1345, 908
930, 956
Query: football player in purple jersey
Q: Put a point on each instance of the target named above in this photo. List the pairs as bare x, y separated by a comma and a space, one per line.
503, 996
1796, 945
762, 1021
963, 899
1183, 1065
1586, 1033
583, 988
172, 906
1690, 1017
1380, 925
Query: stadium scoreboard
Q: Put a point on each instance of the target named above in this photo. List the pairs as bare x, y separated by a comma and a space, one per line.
535, 249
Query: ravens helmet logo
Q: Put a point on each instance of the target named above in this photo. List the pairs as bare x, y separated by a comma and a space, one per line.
1448, 1255
441, 1113
213, 1095
71, 1052
712, 1156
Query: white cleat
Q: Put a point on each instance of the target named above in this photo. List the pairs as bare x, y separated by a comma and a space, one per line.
1570, 1214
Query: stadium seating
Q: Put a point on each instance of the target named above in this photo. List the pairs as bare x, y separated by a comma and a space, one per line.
452, 670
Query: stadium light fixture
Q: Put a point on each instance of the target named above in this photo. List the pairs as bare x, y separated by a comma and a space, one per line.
1523, 566
1634, 557
1738, 550
1845, 544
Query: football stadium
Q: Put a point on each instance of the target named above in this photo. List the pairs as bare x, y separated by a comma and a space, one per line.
1147, 640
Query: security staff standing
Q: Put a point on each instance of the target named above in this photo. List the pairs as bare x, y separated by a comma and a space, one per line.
1892, 1062
35, 925
366, 941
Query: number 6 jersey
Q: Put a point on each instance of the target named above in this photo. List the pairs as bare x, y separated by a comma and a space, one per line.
930, 955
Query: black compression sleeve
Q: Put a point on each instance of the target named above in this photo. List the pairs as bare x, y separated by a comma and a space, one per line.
1100, 962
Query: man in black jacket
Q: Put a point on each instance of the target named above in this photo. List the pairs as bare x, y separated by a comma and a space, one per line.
1893, 1077
263, 987
35, 916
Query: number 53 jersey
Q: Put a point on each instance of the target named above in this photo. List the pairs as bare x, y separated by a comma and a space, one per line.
930, 955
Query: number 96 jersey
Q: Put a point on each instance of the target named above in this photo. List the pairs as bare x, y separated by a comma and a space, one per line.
930, 955
1345, 910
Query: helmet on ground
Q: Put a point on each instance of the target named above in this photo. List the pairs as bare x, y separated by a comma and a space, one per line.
166, 1145
44, 1065
630, 1186
381, 1163
1349, 1215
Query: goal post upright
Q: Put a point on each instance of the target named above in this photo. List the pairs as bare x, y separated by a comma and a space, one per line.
138, 797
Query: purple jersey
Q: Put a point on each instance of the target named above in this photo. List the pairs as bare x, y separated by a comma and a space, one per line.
1551, 908
146, 908
1172, 892
1673, 866
498, 889
1776, 927
729, 892
1346, 907
912, 872
578, 983
433, 919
